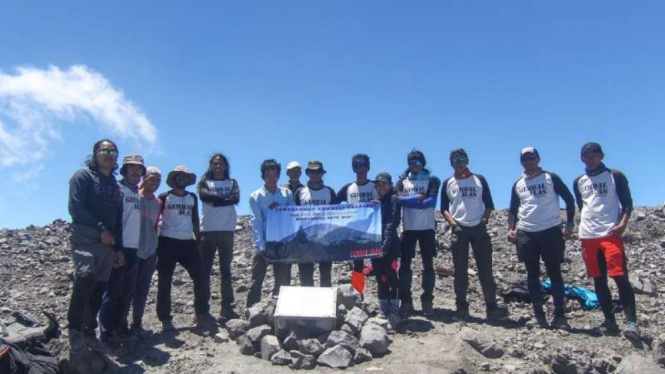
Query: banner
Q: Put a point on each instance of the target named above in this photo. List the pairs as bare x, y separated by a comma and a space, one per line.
323, 233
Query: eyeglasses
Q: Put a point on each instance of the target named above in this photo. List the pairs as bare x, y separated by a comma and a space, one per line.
107, 152
528, 158
461, 160
415, 163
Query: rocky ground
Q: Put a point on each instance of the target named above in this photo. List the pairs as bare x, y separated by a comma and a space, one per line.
35, 271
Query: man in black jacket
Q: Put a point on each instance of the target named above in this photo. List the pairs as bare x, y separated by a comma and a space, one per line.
385, 268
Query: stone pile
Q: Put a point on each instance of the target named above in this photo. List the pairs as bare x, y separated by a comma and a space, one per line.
357, 338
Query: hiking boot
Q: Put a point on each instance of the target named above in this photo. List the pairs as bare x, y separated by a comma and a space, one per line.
227, 313
461, 313
204, 320
632, 331
168, 326
539, 320
95, 344
76, 341
496, 312
609, 327
560, 322
139, 331
393, 314
428, 308
405, 309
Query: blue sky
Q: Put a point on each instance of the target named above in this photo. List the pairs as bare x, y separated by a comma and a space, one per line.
300, 80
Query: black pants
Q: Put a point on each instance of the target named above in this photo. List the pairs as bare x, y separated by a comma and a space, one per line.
481, 245
281, 270
626, 294
184, 252
386, 277
427, 243
218, 242
549, 245
118, 295
306, 273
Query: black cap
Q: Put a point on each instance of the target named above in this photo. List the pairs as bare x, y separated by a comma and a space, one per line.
383, 177
455, 153
591, 147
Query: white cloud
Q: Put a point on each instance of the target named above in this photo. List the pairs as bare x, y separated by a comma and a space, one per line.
36, 103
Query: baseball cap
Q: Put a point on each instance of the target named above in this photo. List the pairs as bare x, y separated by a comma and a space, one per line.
591, 147
383, 177
531, 150
292, 164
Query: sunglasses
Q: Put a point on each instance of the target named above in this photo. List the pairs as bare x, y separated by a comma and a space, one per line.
592, 152
460, 160
107, 152
359, 163
317, 171
415, 163
528, 158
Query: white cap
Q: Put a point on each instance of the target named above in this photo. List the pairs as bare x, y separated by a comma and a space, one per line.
292, 164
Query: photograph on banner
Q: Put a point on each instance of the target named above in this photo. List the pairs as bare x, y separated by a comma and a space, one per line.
323, 233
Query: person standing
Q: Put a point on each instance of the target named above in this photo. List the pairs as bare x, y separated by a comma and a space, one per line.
219, 194
293, 171
261, 201
385, 268
147, 254
418, 190
315, 193
534, 225
604, 198
113, 324
361, 191
466, 203
95, 205
178, 243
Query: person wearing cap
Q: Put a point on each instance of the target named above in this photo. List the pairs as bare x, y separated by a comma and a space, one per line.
605, 201
219, 194
293, 171
178, 243
95, 205
261, 201
534, 225
113, 327
385, 268
418, 190
315, 193
361, 191
466, 204
147, 252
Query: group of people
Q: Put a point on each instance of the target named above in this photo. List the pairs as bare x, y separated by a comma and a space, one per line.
122, 233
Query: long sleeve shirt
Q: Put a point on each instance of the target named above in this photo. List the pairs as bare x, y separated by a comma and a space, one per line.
391, 215
259, 204
466, 199
95, 204
534, 203
218, 198
418, 214
603, 196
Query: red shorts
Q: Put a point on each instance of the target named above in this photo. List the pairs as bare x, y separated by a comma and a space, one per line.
612, 247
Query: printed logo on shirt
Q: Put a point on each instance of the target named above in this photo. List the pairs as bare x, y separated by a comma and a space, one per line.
314, 202
222, 190
414, 190
534, 189
598, 189
466, 191
135, 201
360, 196
182, 209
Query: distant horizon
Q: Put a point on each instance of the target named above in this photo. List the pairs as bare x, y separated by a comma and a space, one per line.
301, 81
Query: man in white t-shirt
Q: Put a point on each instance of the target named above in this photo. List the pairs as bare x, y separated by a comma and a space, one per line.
604, 198
466, 203
534, 225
